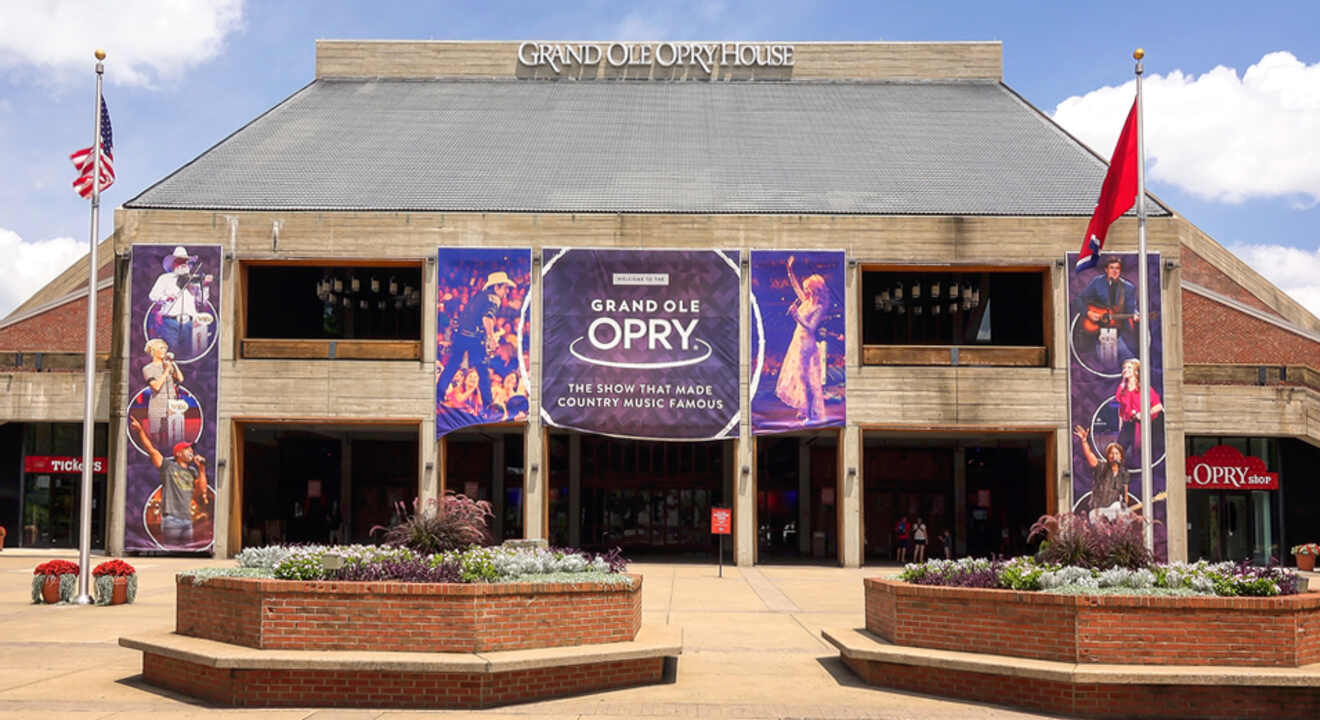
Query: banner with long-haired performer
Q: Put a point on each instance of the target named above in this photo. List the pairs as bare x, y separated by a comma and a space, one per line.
173, 380
483, 336
798, 340
641, 343
1104, 383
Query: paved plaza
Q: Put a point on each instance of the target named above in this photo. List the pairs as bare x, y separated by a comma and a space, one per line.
752, 649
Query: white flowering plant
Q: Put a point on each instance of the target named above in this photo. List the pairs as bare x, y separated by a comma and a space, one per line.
1026, 573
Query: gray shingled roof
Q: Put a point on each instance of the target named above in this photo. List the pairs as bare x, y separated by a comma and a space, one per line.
889, 148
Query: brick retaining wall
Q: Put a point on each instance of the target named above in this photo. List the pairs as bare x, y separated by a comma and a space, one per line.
1279, 631
1152, 700
416, 617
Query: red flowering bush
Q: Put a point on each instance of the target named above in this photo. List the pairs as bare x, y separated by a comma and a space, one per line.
113, 568
57, 567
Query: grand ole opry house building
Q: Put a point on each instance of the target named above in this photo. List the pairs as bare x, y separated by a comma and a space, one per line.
611, 286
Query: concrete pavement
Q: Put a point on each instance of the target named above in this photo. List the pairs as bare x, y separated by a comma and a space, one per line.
752, 649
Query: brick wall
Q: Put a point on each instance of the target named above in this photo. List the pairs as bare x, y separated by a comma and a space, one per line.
1097, 700
277, 614
1199, 271
375, 688
1277, 632
1216, 333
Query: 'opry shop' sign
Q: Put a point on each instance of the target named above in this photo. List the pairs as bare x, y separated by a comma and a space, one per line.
1225, 468
707, 56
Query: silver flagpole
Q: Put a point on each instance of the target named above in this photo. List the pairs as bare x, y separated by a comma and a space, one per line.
1143, 320
89, 362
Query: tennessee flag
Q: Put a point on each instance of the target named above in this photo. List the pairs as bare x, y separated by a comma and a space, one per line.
1117, 194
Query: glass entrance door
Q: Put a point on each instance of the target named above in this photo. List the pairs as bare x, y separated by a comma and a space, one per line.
1231, 526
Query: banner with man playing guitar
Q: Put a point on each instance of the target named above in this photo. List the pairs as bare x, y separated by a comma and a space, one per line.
1105, 389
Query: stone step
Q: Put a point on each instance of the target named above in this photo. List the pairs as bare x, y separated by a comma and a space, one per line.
860, 645
651, 642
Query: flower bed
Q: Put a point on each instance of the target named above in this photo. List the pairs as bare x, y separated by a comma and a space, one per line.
1170, 579
392, 598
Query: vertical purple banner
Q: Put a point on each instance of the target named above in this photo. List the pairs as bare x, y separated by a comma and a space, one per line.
1105, 392
173, 377
641, 343
798, 340
483, 335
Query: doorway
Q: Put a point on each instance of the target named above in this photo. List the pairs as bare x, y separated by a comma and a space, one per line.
324, 483
1231, 525
489, 466
646, 497
796, 498
985, 491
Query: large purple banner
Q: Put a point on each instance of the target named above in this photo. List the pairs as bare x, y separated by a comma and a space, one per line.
173, 375
1105, 390
798, 340
641, 343
483, 331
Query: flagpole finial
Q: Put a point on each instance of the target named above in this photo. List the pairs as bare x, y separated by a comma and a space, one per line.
100, 54
1138, 54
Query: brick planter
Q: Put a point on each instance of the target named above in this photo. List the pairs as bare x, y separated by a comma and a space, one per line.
407, 617
1263, 632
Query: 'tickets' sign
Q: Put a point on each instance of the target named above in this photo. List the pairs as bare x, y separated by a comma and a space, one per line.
60, 465
641, 343
1224, 467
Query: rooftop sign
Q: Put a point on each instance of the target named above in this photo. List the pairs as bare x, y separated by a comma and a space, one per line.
707, 56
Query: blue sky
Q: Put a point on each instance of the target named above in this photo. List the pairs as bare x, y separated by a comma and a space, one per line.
1237, 153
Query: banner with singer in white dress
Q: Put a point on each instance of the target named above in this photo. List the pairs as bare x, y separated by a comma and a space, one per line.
798, 340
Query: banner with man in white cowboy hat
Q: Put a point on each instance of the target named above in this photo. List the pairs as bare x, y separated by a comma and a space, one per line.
483, 318
173, 378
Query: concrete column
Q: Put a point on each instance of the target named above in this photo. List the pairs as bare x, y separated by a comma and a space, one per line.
804, 496
852, 548
223, 481
497, 487
428, 461
575, 490
960, 500
849, 498
535, 493
744, 475
1063, 448
117, 447
430, 291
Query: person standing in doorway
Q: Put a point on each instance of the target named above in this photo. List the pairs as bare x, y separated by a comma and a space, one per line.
946, 539
919, 541
901, 531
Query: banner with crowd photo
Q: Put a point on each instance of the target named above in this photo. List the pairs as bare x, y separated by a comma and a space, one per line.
483, 336
798, 340
173, 375
1105, 388
641, 343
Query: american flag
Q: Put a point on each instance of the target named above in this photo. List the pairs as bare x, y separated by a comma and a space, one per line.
86, 163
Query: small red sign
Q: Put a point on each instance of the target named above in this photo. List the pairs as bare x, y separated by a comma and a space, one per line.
721, 521
1224, 467
60, 464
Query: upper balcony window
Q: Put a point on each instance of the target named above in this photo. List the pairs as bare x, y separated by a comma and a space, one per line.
369, 311
954, 317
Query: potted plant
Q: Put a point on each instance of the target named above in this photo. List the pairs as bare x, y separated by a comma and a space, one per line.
54, 581
1305, 555
116, 582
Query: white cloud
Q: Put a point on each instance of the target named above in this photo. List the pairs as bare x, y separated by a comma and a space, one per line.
1294, 270
28, 266
1218, 136
146, 41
